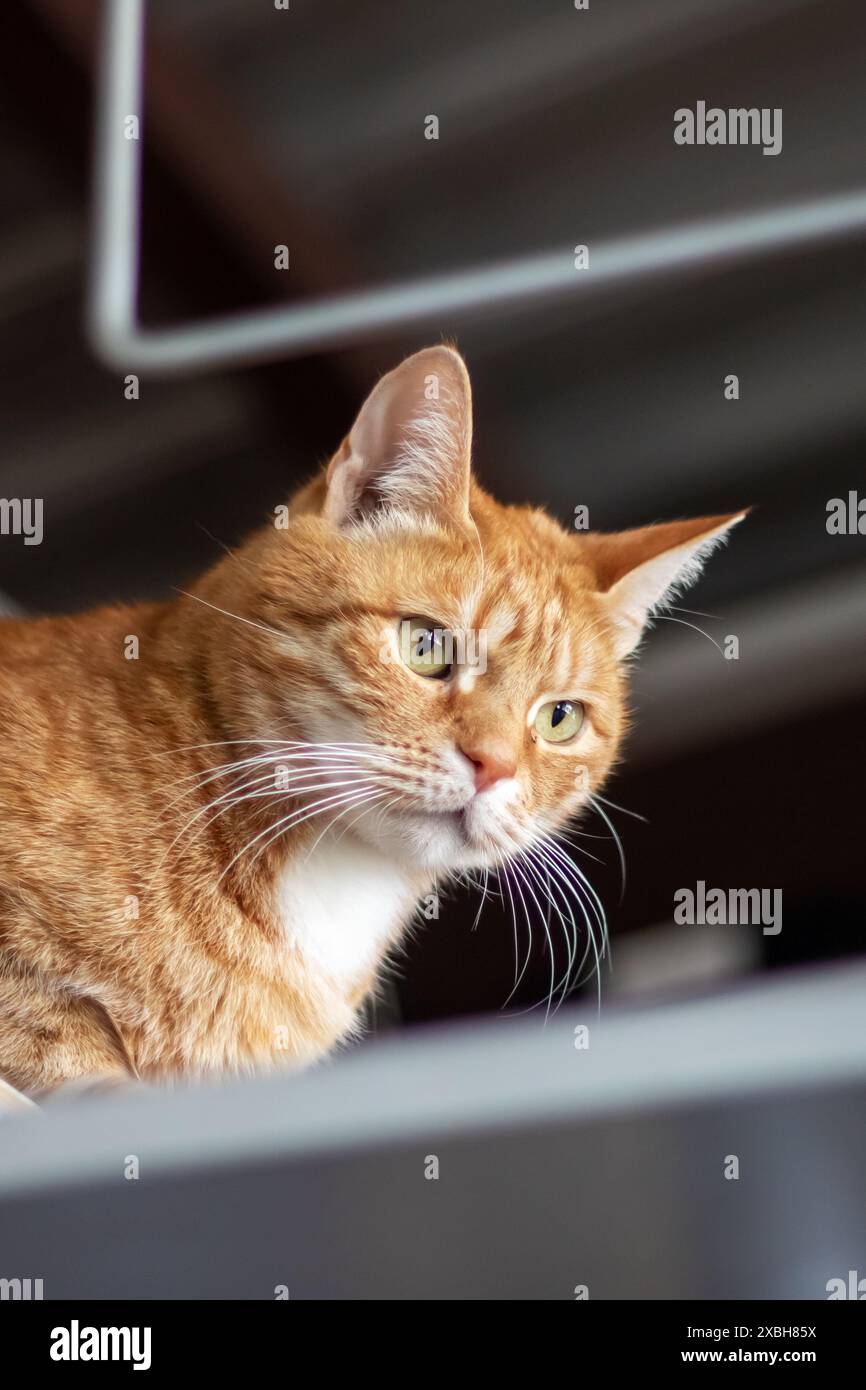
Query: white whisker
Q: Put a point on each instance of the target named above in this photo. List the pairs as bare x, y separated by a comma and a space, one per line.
561, 867
571, 873
612, 828
541, 875
624, 809
296, 818
263, 627
666, 618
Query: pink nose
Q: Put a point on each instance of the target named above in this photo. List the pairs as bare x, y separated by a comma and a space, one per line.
492, 761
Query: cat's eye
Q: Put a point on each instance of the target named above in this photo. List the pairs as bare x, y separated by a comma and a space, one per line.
425, 648
559, 720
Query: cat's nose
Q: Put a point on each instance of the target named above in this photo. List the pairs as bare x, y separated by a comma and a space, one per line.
493, 761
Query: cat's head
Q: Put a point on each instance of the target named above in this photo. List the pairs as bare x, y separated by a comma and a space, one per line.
460, 663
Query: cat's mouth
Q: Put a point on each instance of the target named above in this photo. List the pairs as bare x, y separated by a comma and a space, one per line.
460, 838
478, 829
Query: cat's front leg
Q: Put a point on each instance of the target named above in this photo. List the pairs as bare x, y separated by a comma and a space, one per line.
49, 1038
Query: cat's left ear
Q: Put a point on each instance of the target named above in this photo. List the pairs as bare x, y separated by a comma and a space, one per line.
639, 571
410, 447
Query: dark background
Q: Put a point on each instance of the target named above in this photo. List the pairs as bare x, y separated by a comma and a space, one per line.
306, 127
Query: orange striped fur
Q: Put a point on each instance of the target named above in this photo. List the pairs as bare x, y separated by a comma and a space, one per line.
138, 935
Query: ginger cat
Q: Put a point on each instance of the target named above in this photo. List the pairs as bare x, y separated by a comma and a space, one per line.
219, 813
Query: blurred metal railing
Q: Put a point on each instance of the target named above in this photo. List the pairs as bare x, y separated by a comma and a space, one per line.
559, 1163
121, 342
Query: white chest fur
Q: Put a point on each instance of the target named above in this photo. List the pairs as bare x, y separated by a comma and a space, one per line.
342, 906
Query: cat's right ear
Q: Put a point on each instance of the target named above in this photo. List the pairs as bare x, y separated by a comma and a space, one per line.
638, 571
408, 452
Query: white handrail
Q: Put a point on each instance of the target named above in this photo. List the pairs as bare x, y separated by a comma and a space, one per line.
335, 321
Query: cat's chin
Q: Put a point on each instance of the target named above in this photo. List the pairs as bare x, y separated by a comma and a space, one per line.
440, 842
